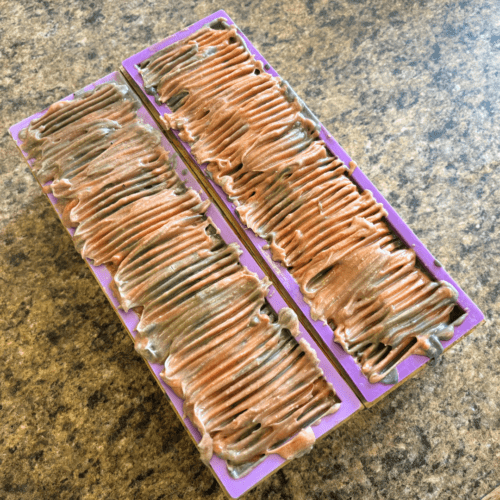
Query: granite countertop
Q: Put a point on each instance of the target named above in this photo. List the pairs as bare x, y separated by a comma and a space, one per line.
410, 89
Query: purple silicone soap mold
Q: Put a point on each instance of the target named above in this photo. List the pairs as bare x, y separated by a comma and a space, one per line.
349, 402
369, 391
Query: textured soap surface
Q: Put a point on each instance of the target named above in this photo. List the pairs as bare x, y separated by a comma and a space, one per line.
262, 146
250, 388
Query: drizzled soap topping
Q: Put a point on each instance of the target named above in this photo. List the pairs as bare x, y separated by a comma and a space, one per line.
262, 147
249, 386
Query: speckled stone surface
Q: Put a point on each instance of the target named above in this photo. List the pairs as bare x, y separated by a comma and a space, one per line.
410, 89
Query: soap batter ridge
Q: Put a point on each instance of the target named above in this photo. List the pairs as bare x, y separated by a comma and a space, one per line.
262, 147
248, 385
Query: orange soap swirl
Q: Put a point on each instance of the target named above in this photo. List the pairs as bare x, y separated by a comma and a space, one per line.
249, 386
262, 146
